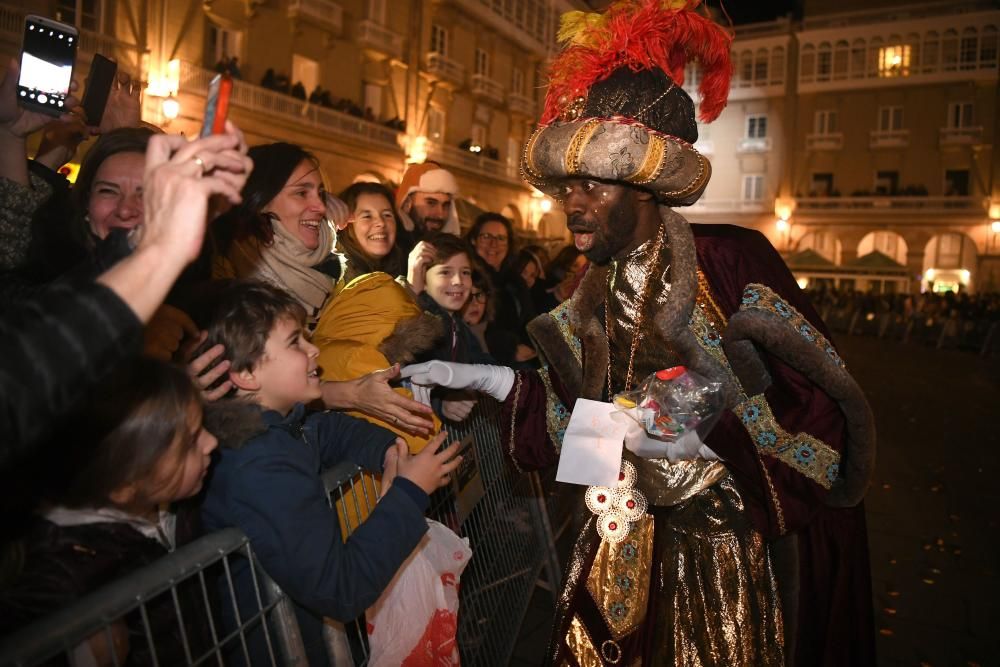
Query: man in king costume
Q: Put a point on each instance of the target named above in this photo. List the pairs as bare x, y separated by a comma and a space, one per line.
743, 546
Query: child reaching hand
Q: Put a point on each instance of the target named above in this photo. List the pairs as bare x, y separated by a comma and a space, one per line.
268, 481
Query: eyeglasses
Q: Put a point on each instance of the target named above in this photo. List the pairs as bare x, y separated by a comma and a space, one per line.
499, 238
480, 297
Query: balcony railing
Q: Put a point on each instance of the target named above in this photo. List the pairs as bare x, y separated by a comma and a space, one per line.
748, 145
487, 88
521, 104
380, 39
475, 162
829, 141
195, 80
890, 204
445, 69
961, 136
889, 139
713, 205
323, 13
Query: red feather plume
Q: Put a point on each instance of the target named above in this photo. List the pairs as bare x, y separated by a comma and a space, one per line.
642, 34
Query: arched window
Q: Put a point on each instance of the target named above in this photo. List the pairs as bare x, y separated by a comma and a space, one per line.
988, 47
807, 64
858, 49
949, 51
840, 60
931, 49
777, 69
913, 42
874, 51
824, 61
760, 68
968, 49
746, 69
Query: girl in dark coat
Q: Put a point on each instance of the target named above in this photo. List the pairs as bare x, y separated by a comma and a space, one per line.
138, 446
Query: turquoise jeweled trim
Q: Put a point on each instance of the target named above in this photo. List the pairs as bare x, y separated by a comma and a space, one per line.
804, 453
761, 297
556, 414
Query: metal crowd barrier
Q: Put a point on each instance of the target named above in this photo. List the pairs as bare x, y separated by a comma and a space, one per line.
505, 515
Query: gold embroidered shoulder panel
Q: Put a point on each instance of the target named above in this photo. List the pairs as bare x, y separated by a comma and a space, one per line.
560, 314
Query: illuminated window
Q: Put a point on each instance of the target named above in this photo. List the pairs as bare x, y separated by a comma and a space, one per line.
439, 40
894, 60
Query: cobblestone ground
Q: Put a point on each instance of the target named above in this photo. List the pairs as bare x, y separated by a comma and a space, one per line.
932, 509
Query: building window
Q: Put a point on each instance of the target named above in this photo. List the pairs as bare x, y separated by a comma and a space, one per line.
956, 183
858, 50
435, 124
85, 14
746, 68
756, 126
223, 44
931, 52
968, 49
988, 48
821, 185
807, 63
760, 68
959, 115
894, 60
517, 81
753, 187
482, 62
824, 62
825, 122
777, 65
439, 40
886, 182
890, 119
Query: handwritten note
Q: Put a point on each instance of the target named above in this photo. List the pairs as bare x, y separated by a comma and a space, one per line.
592, 447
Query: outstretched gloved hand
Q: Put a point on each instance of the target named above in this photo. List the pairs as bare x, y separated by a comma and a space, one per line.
493, 380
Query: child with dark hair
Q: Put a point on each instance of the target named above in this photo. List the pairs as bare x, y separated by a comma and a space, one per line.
139, 445
268, 481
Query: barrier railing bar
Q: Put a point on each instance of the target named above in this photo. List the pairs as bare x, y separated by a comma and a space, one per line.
149, 634
185, 644
236, 611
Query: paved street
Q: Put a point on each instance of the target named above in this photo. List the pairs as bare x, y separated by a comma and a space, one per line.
932, 507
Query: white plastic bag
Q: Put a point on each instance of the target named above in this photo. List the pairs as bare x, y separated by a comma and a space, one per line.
415, 621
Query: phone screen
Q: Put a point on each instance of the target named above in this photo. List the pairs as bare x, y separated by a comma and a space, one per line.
46, 64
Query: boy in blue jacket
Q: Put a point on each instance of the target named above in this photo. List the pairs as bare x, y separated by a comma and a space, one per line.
268, 482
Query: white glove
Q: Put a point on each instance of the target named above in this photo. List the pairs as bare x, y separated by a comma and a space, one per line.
640, 443
496, 381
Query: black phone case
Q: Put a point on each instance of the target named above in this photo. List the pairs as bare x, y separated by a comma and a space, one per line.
99, 82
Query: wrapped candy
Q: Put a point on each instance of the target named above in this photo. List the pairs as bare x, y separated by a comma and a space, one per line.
672, 402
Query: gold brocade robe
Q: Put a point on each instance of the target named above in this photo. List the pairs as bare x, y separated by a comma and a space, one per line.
692, 583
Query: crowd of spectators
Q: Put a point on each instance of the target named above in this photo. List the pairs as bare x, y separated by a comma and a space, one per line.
964, 321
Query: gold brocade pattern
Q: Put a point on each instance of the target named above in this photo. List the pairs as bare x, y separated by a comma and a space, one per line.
626, 279
619, 578
581, 645
560, 314
761, 297
717, 594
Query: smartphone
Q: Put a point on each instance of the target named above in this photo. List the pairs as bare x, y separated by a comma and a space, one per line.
99, 82
217, 105
48, 56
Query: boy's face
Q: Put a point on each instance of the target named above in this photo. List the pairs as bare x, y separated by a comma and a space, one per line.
449, 283
287, 373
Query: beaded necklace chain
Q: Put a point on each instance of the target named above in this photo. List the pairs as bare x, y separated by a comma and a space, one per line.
641, 306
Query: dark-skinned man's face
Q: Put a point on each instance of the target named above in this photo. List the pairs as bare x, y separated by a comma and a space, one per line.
602, 217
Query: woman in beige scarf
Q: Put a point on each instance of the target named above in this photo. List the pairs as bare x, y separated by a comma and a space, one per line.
280, 232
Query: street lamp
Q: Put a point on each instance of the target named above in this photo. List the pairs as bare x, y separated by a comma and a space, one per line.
784, 228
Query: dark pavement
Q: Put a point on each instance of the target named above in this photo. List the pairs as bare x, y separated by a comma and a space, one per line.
932, 508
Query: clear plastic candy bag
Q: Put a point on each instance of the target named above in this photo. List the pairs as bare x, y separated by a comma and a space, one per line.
672, 402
